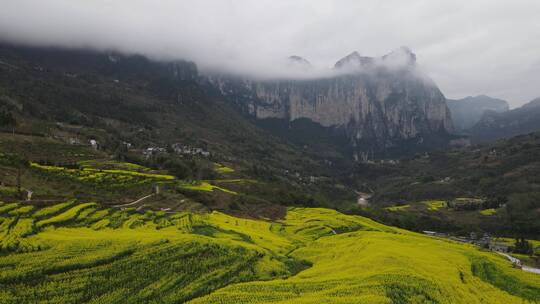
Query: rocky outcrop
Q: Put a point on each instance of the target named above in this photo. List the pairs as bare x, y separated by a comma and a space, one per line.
378, 101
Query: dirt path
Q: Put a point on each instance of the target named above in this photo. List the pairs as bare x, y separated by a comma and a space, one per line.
134, 202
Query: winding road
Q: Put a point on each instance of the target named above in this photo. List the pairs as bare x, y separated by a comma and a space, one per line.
518, 262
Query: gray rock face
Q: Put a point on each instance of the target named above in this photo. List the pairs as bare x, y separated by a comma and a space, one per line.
379, 100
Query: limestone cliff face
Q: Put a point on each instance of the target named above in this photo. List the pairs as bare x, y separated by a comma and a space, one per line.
380, 100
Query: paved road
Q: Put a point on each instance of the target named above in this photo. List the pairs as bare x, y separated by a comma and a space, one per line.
518, 262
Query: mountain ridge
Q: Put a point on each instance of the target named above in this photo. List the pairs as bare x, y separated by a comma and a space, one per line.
496, 125
379, 102
468, 111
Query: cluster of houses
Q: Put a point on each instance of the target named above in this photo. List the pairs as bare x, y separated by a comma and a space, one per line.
466, 203
363, 157
188, 150
150, 151
383, 162
178, 149
77, 142
305, 179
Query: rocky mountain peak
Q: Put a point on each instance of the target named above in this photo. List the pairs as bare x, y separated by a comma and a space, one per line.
298, 59
353, 60
402, 56
532, 104
374, 111
468, 111
298, 62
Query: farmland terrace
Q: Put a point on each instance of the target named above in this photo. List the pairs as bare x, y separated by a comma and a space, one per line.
86, 253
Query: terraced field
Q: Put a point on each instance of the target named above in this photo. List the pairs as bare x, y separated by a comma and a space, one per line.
107, 178
84, 253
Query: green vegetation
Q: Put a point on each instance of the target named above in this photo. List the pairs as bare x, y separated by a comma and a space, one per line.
8, 191
66, 216
7, 207
221, 169
488, 212
103, 178
490, 272
501, 175
48, 211
132, 106
84, 253
113, 165
435, 205
21, 210
203, 186
398, 208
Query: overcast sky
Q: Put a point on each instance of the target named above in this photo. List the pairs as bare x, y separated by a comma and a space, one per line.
468, 47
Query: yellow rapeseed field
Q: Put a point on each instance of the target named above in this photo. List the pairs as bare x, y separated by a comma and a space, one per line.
84, 253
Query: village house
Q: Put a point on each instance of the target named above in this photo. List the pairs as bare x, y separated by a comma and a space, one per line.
153, 151
94, 144
187, 150
499, 247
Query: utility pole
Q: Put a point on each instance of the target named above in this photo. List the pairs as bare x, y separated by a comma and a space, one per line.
19, 180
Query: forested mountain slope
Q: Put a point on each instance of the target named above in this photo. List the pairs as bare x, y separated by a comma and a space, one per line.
150, 112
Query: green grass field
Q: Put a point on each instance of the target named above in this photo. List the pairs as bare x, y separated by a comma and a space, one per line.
83, 253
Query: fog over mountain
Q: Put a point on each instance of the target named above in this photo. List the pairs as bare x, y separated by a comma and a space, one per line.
465, 48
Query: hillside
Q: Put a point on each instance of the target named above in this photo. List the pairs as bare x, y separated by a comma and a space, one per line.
153, 113
85, 253
163, 117
501, 175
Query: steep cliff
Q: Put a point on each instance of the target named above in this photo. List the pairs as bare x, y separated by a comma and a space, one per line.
379, 102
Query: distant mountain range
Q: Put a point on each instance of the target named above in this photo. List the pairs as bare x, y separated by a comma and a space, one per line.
494, 125
468, 111
364, 108
484, 118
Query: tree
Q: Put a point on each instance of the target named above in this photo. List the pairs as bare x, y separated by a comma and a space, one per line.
523, 246
178, 169
7, 119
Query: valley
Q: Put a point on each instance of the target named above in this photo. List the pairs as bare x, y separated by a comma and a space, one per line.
125, 179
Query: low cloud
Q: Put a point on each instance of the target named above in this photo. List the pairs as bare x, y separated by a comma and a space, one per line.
467, 47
